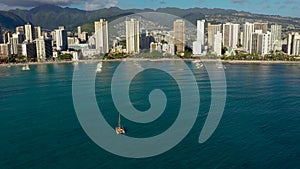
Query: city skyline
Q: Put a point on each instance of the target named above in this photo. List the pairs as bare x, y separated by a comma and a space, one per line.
269, 7
254, 38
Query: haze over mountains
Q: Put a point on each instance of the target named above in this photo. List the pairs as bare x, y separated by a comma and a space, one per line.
50, 16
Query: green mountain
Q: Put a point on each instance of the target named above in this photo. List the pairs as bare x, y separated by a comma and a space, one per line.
50, 16
9, 20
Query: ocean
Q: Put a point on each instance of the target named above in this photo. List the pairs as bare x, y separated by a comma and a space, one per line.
259, 127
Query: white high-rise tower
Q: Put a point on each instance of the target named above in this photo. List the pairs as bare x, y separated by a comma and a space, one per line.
198, 45
101, 35
61, 39
200, 31
29, 32
247, 36
133, 36
276, 37
217, 44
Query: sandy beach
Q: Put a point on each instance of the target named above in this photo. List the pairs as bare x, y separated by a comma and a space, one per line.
160, 59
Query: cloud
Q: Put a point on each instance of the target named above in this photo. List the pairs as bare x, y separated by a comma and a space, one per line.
97, 4
33, 3
4, 7
89, 4
238, 1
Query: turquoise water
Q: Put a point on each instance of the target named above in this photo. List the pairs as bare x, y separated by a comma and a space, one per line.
259, 129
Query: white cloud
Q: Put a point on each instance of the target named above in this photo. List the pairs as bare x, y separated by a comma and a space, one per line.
33, 3
97, 4
4, 7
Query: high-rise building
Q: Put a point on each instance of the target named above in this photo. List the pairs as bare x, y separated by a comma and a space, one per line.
294, 44
29, 32
200, 31
37, 32
73, 41
61, 39
156, 47
267, 45
198, 45
212, 30
101, 35
171, 49
276, 37
84, 36
257, 43
5, 50
21, 33
61, 27
20, 30
261, 26
179, 35
217, 45
231, 35
16, 39
241, 38
79, 32
247, 36
146, 40
43, 48
132, 36
197, 48
261, 42
1, 35
6, 37
27, 49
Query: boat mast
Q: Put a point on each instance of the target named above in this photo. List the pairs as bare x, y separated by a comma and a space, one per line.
119, 122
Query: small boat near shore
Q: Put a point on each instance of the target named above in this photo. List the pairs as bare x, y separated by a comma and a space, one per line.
25, 67
99, 67
199, 65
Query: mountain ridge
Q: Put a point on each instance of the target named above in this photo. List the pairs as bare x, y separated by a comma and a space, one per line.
51, 16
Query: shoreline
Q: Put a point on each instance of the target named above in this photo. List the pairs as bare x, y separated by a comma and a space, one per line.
153, 60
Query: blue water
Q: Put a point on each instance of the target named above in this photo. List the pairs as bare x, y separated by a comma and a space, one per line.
259, 129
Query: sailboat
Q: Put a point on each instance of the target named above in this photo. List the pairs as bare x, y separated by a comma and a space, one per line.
120, 129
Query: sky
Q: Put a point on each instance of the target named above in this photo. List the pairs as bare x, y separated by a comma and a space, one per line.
273, 7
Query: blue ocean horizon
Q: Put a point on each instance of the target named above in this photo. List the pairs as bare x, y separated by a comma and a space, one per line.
259, 128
